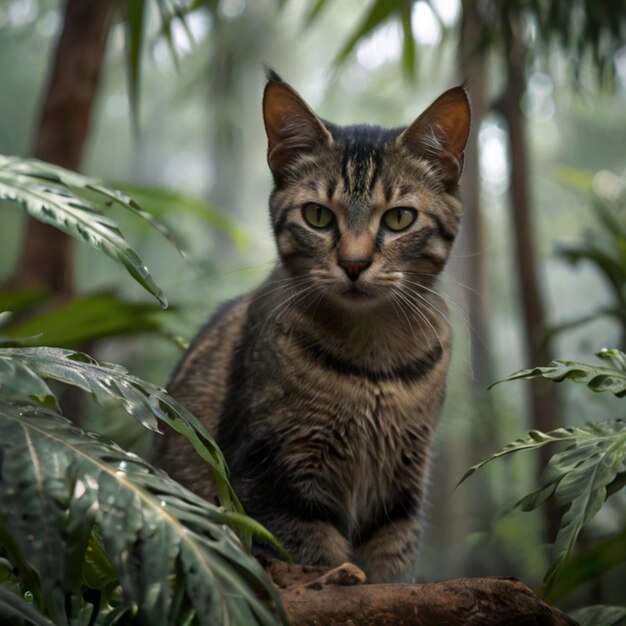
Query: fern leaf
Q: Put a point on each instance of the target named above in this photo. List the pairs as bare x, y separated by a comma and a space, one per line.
535, 439
596, 378
586, 471
579, 477
151, 528
67, 201
111, 386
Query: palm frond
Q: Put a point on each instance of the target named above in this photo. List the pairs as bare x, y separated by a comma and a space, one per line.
76, 205
63, 490
111, 386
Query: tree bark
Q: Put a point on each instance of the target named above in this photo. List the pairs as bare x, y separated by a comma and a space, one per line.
544, 399
312, 597
472, 64
63, 128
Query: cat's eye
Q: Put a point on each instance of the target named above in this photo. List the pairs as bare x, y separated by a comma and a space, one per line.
317, 216
399, 219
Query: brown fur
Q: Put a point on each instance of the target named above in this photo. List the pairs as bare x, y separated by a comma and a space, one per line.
323, 388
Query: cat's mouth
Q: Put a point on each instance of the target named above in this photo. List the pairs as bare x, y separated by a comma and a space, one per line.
354, 293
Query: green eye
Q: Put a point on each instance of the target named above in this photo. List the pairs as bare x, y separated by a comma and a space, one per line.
317, 216
399, 219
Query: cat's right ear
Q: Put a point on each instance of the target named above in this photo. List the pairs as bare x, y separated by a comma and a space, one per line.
290, 124
440, 133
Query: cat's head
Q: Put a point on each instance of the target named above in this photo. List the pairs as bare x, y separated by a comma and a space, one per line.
364, 212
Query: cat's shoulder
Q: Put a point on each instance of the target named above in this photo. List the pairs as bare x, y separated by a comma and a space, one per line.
216, 337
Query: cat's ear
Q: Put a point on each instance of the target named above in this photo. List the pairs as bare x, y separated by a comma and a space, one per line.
440, 133
290, 124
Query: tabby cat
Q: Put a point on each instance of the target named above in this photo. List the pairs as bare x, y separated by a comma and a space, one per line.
323, 385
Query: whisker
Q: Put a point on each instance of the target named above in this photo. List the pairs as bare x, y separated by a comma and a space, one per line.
455, 305
413, 306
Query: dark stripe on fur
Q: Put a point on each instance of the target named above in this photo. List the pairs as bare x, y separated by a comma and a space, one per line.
443, 231
408, 373
404, 505
252, 452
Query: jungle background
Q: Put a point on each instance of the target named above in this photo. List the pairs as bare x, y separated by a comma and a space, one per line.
177, 124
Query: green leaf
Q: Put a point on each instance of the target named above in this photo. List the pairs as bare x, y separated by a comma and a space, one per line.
19, 382
596, 378
579, 476
30, 496
17, 300
161, 201
55, 196
86, 319
315, 12
15, 610
601, 615
588, 565
134, 31
112, 387
587, 470
616, 357
151, 527
535, 439
97, 571
379, 12
408, 42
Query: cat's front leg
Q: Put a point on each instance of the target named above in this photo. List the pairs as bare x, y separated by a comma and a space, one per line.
390, 554
311, 542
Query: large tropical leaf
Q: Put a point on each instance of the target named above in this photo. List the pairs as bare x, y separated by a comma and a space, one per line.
76, 205
111, 386
590, 564
595, 377
592, 465
590, 468
84, 319
600, 615
61, 490
162, 201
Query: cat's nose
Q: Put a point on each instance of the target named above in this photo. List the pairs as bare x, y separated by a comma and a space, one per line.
354, 267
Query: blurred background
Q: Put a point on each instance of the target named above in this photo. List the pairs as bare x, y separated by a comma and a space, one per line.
171, 113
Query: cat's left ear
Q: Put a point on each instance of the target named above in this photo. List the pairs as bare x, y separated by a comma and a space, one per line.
291, 125
440, 133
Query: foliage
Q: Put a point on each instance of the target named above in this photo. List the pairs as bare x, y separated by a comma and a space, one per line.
77, 205
80, 206
598, 379
605, 249
91, 534
71, 324
70, 494
162, 201
590, 468
135, 19
377, 14
594, 30
84, 513
601, 616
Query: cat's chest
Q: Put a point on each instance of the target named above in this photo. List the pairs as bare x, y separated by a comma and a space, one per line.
361, 440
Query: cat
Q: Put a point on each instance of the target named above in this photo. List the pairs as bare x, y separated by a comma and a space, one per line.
323, 386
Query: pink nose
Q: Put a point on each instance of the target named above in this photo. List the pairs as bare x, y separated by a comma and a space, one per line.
354, 267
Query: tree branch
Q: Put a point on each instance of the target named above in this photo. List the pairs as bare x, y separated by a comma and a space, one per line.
313, 596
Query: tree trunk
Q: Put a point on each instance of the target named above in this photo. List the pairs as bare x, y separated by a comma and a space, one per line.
63, 128
475, 264
312, 597
544, 400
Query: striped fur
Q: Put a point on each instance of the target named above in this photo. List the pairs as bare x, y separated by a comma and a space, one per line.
323, 390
